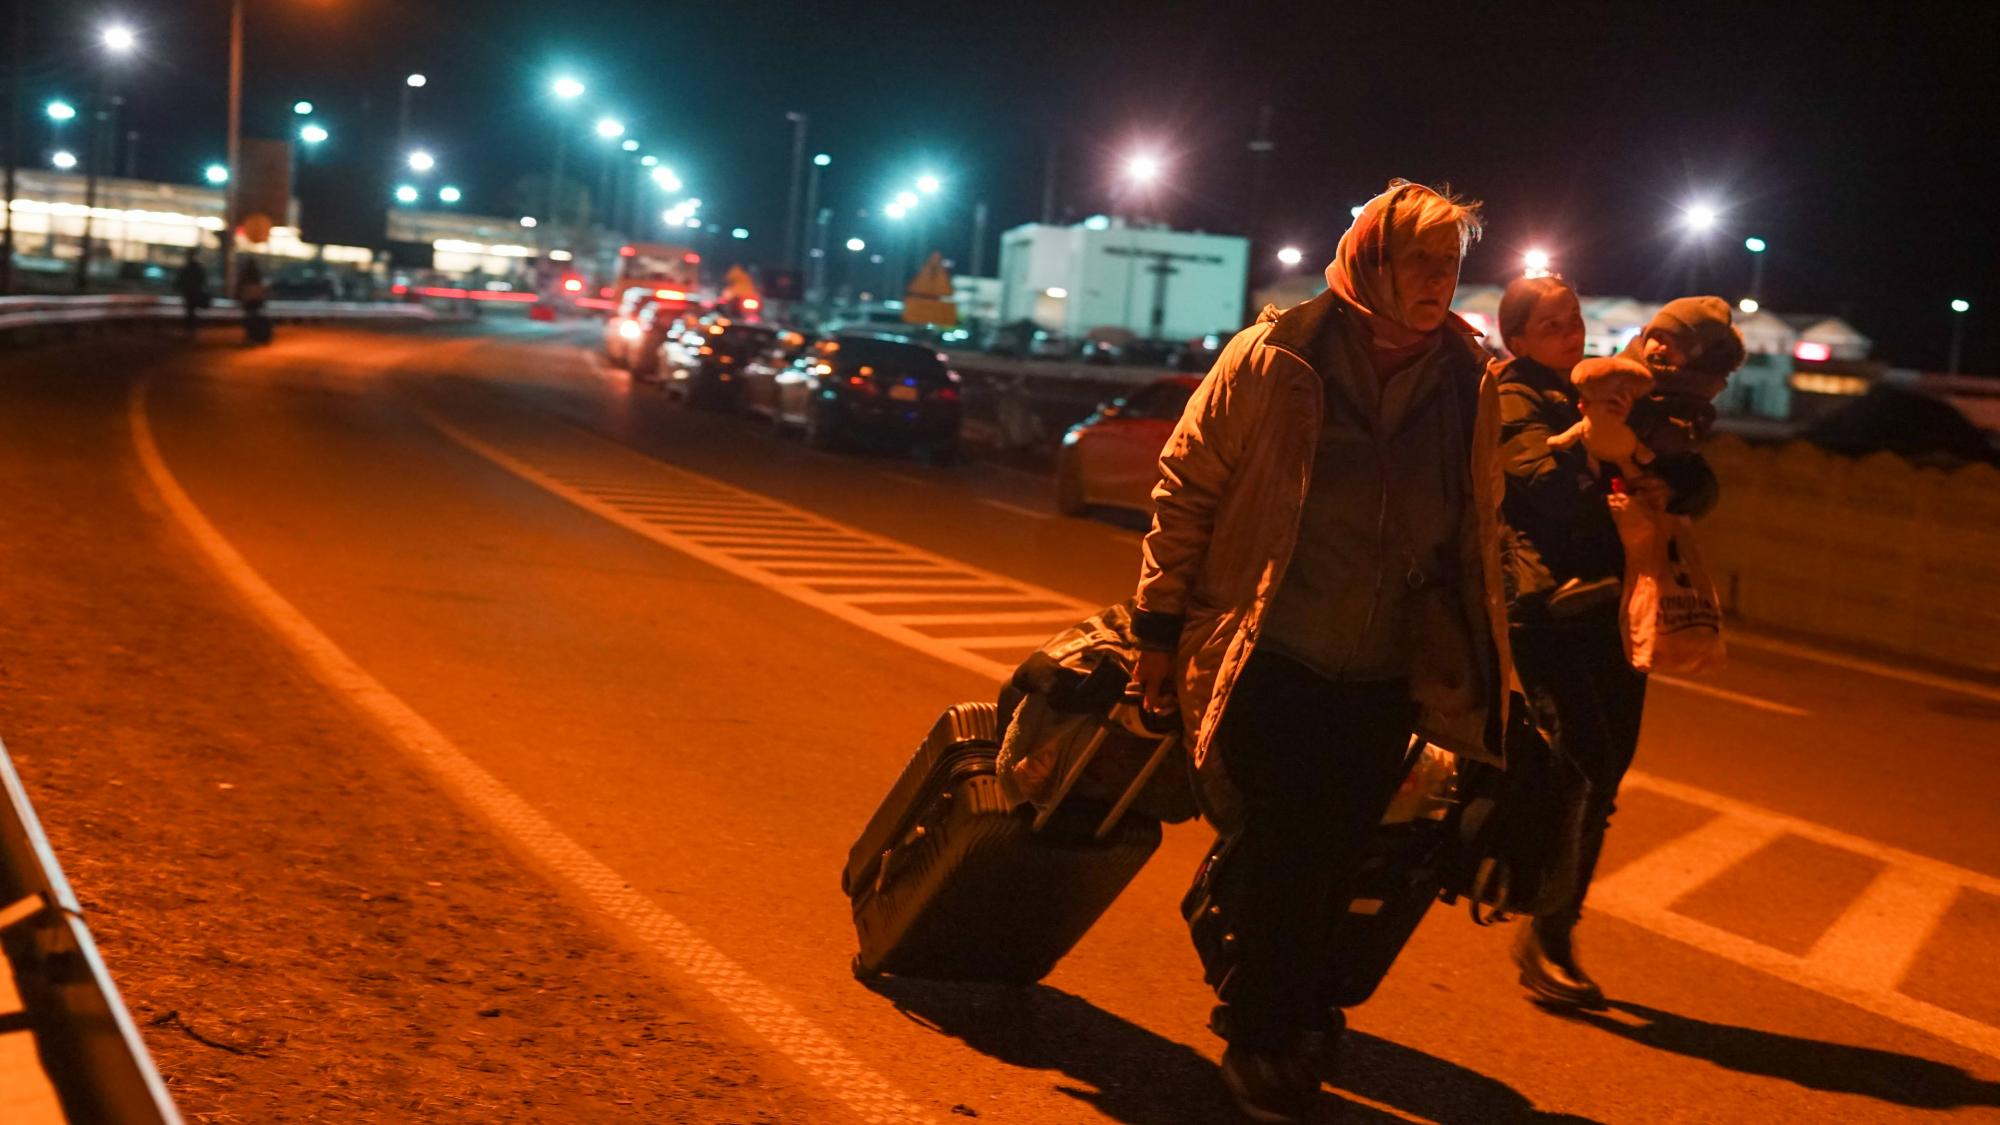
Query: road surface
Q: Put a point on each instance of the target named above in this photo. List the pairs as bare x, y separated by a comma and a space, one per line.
673, 660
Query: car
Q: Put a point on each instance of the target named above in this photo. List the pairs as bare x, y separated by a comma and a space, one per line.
761, 375
1112, 458
659, 321
872, 388
621, 328
705, 366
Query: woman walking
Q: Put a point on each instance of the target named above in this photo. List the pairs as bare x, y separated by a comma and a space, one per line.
1564, 565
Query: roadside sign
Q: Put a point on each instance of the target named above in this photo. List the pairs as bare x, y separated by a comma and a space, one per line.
928, 299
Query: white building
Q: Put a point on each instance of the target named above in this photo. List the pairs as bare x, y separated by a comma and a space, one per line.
1103, 274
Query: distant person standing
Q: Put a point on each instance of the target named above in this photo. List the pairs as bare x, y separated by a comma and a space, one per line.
192, 284
250, 296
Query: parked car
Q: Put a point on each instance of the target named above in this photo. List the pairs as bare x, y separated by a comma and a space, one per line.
709, 360
875, 389
1112, 458
763, 374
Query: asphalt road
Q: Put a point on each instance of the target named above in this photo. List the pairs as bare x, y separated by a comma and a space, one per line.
677, 659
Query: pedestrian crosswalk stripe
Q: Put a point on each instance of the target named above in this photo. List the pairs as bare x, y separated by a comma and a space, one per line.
1666, 874
1873, 944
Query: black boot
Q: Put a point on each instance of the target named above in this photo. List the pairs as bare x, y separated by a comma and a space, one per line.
1265, 1084
1547, 957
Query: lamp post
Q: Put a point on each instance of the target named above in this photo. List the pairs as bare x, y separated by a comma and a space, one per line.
1756, 246
118, 41
411, 84
566, 89
791, 252
1699, 219
1959, 307
235, 150
816, 256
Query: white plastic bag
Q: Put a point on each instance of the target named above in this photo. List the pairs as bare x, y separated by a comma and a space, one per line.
1672, 618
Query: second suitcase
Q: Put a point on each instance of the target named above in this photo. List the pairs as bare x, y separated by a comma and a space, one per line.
951, 880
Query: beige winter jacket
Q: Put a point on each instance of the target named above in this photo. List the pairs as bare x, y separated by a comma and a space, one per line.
1233, 480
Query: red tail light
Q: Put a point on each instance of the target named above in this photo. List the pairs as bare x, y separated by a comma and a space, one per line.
944, 394
862, 385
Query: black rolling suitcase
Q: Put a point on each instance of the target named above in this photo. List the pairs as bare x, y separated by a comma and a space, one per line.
952, 880
1400, 873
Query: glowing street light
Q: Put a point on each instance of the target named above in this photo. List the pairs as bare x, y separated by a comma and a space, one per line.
61, 111
822, 160
421, 161
649, 161
1535, 263
567, 88
406, 193
1290, 256
1143, 168
449, 194
528, 221
610, 127
895, 210
313, 134
740, 232
907, 200
417, 81
1748, 305
665, 178
630, 145
216, 174
302, 108
926, 183
1959, 307
856, 245
1700, 217
63, 159
1754, 245
119, 39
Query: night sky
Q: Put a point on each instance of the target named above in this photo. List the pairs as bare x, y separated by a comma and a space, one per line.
1862, 148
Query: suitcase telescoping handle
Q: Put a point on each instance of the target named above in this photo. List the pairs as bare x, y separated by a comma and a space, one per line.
1129, 713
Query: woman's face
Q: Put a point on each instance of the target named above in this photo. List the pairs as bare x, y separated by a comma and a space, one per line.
1554, 333
1425, 273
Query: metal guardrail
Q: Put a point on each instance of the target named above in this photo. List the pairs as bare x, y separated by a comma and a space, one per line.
89, 1047
28, 313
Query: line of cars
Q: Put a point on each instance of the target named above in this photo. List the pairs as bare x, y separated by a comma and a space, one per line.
849, 388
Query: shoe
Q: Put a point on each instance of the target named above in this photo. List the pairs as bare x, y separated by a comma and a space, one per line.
1265, 1086
1547, 957
1316, 1053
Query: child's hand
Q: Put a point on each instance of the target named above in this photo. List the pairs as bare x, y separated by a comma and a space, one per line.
1609, 439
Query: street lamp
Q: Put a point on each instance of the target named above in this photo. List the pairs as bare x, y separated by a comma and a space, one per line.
302, 108
528, 221
567, 88
1290, 256
1748, 305
1959, 307
609, 127
1700, 218
907, 200
1756, 246
119, 39
630, 145
856, 245
63, 159
313, 134
1143, 168
421, 161
649, 161
61, 111
449, 194
895, 209
822, 160
1535, 263
415, 81
927, 183
406, 193
740, 233
217, 174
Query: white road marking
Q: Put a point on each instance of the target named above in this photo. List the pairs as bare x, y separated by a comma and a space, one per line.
607, 496
1016, 509
1020, 642
1006, 618
1872, 667
844, 1077
1732, 696
1664, 875
1876, 940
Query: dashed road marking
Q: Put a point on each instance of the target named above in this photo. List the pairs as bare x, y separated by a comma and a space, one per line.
846, 1078
1972, 688
1873, 944
1015, 508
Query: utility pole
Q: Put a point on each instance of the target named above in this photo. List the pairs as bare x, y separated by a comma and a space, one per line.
93, 158
798, 121
979, 239
20, 34
1049, 184
820, 160
235, 152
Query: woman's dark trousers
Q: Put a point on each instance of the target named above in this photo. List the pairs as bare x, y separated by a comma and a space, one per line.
1316, 763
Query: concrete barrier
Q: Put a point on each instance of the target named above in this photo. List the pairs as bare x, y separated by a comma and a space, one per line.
1870, 551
